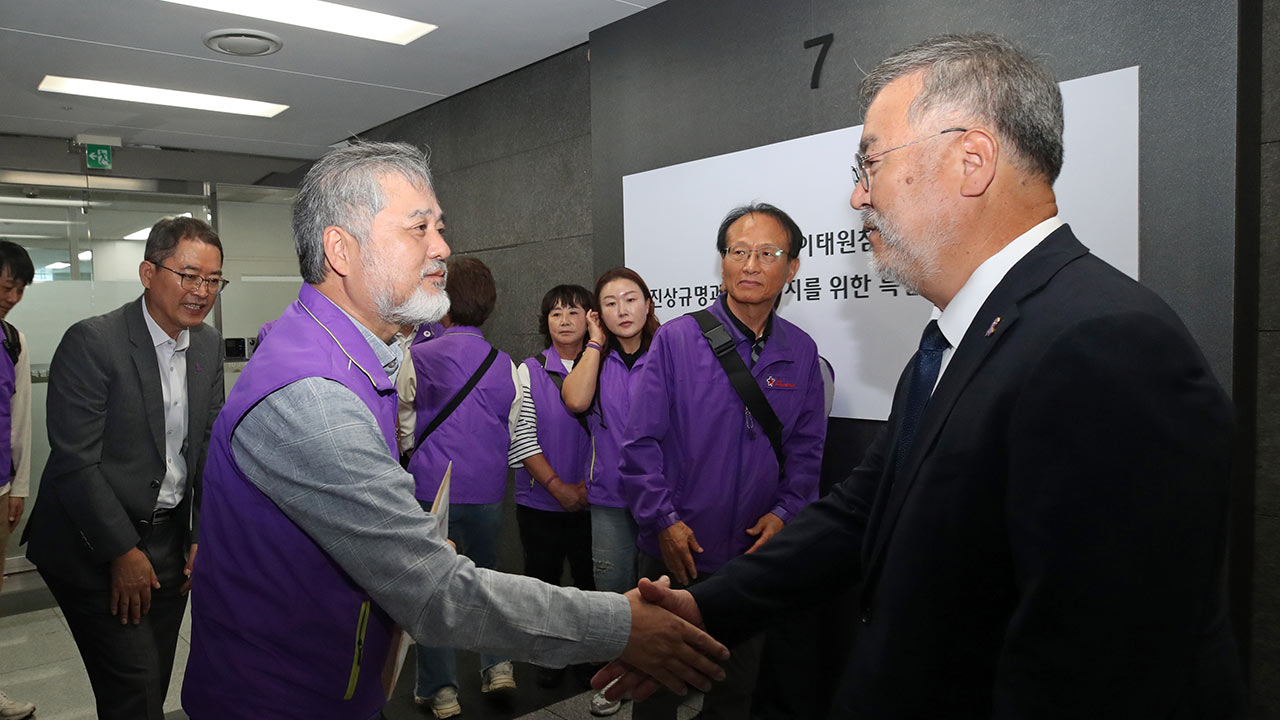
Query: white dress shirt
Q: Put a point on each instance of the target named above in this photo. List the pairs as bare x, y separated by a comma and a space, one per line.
964, 307
171, 356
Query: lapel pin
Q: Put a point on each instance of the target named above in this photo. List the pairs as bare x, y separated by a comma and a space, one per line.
991, 329
197, 366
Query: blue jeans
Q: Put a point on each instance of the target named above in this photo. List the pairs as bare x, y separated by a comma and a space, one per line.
475, 530
613, 548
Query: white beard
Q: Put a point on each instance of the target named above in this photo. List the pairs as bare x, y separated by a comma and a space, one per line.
423, 306
908, 262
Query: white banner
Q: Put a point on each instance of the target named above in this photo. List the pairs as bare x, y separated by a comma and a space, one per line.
866, 328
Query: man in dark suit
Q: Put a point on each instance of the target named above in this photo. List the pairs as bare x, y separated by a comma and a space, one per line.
1040, 529
132, 396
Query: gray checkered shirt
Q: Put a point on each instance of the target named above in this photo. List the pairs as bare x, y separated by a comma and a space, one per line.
316, 450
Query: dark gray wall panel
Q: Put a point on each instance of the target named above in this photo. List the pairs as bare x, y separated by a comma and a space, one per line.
1269, 250
694, 78
1270, 71
542, 104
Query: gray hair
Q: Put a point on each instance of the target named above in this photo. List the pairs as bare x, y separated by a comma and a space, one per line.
986, 78
344, 188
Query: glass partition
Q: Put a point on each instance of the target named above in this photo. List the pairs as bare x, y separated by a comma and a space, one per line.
86, 238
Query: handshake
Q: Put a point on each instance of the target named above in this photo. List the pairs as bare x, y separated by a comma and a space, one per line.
667, 646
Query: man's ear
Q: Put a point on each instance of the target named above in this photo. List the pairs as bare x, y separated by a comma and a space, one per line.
981, 153
146, 272
341, 250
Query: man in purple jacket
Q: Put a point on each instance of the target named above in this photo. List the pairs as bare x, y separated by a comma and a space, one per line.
698, 470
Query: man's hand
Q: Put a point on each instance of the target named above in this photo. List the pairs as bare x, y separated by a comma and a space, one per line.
631, 682
570, 497
14, 515
766, 527
666, 649
677, 545
191, 564
132, 580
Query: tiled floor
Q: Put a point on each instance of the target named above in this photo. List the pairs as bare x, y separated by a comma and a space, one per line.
39, 663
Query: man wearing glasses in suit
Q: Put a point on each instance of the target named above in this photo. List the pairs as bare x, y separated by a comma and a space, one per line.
132, 396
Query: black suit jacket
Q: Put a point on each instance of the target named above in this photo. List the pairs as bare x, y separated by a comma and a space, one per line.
106, 435
1054, 544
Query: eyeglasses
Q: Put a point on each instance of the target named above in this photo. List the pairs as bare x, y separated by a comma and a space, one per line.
767, 255
860, 161
192, 283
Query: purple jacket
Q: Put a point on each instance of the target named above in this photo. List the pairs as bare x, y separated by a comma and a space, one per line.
691, 452
8, 384
278, 629
564, 443
608, 419
475, 437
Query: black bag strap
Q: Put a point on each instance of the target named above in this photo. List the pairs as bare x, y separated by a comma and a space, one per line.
12, 343
452, 405
722, 345
559, 382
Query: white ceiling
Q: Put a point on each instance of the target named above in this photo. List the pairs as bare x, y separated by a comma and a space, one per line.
335, 85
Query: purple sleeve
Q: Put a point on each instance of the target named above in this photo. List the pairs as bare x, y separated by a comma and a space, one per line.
640, 470
802, 450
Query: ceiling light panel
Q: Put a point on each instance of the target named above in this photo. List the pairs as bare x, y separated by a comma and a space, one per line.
320, 15
159, 96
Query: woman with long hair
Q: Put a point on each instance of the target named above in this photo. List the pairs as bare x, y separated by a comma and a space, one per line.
618, 334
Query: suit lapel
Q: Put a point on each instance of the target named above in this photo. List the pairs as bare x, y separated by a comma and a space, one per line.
144, 360
996, 318
199, 369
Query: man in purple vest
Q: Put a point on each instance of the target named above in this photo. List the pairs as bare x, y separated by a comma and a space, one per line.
16, 273
314, 546
699, 472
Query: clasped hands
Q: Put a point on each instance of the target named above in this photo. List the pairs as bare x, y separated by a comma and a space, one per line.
667, 646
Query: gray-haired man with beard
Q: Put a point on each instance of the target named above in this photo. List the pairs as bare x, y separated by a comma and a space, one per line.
313, 544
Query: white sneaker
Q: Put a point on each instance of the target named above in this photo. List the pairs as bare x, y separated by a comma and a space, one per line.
11, 709
499, 678
443, 704
601, 707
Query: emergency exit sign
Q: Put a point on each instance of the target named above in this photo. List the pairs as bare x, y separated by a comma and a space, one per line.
97, 157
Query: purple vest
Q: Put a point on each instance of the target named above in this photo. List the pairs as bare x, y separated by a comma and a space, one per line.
476, 435
278, 629
607, 420
564, 443
8, 383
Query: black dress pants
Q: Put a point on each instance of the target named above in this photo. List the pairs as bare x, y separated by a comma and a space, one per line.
129, 665
550, 538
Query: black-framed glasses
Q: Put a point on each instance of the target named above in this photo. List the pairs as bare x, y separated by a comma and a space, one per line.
767, 254
192, 283
863, 178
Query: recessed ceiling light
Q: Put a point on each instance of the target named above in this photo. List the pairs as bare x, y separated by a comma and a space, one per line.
86, 255
243, 43
159, 96
320, 15
58, 266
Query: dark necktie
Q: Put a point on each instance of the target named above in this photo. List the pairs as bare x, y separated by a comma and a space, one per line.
924, 375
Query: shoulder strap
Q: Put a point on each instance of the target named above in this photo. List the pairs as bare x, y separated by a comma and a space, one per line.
12, 343
740, 378
452, 405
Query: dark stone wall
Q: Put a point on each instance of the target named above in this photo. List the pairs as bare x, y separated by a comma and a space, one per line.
1266, 594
